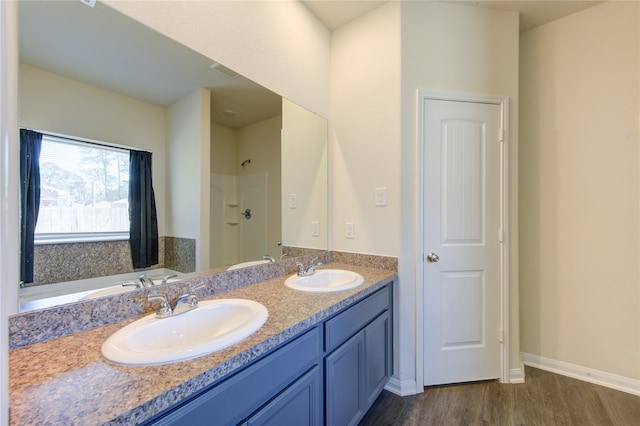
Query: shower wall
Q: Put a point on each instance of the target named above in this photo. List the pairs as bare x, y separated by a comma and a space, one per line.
236, 188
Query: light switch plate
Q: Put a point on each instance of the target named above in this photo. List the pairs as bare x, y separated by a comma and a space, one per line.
349, 231
315, 229
381, 197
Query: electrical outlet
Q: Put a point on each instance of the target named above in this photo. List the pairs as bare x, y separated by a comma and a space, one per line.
293, 201
349, 231
315, 229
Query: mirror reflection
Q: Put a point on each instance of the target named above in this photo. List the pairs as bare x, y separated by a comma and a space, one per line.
239, 173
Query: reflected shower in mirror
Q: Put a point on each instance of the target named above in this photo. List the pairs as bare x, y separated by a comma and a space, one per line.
239, 173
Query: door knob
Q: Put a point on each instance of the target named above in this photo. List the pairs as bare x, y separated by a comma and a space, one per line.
433, 258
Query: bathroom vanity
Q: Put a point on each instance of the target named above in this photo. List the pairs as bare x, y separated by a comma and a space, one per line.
346, 359
318, 359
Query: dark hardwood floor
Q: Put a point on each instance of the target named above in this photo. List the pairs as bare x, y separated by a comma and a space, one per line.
545, 399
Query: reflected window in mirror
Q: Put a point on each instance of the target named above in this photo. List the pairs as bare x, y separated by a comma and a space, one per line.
84, 191
76, 196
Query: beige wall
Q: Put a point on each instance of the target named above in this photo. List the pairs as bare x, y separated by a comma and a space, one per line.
189, 145
365, 131
580, 291
54, 103
304, 173
224, 158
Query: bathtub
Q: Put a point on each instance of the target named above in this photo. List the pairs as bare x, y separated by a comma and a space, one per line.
44, 296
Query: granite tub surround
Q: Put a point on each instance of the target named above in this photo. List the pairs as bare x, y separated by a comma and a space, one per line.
180, 254
41, 325
53, 263
73, 384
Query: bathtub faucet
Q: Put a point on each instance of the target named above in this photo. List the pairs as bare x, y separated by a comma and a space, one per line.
168, 277
146, 281
136, 284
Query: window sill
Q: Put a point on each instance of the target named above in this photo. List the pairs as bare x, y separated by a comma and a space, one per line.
80, 238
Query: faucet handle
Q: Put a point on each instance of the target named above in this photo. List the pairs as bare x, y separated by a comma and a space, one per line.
168, 277
164, 310
131, 284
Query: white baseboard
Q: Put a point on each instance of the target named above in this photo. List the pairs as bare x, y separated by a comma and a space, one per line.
590, 375
516, 375
401, 387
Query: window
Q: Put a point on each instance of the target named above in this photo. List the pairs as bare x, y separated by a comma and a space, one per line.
84, 190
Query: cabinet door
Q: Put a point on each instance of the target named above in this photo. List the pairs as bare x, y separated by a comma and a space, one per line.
378, 361
237, 397
299, 405
344, 383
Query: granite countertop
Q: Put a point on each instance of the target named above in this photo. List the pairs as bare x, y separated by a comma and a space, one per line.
67, 381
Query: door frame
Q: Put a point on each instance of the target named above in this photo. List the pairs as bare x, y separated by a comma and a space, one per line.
503, 101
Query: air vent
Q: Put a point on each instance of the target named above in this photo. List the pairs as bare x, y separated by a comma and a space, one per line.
224, 70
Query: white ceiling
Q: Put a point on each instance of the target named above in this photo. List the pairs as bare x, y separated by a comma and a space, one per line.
335, 13
72, 39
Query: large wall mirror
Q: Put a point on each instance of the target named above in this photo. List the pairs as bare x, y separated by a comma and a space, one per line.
239, 173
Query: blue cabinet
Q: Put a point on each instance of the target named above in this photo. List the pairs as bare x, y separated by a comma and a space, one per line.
329, 375
378, 366
344, 384
298, 405
237, 397
357, 371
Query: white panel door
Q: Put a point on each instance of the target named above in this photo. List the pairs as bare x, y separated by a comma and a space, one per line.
461, 225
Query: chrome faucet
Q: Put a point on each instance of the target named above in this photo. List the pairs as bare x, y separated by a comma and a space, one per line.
167, 278
304, 271
146, 281
269, 258
132, 284
184, 303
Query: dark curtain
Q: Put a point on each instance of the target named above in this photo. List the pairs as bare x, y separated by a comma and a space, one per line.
30, 144
143, 230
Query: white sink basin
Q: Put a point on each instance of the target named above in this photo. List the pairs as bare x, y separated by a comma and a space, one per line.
325, 281
214, 325
247, 264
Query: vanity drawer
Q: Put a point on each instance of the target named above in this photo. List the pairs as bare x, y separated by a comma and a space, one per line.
236, 398
349, 322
